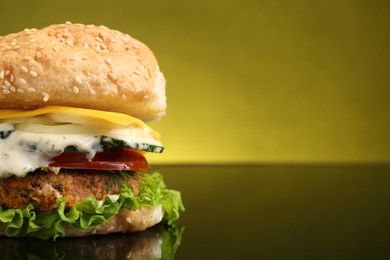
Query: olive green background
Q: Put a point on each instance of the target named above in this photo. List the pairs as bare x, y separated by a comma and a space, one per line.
254, 81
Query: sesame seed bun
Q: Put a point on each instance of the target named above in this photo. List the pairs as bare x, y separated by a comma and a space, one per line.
125, 221
83, 66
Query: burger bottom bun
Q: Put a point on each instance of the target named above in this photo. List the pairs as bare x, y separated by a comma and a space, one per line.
125, 221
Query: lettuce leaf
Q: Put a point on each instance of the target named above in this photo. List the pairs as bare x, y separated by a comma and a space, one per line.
171, 241
90, 213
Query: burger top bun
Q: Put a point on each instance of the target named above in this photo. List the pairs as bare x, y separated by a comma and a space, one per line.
83, 66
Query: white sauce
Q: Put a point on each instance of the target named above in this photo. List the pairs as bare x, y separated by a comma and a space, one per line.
22, 152
47, 190
113, 197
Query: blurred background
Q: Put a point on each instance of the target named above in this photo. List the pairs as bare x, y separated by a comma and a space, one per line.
254, 81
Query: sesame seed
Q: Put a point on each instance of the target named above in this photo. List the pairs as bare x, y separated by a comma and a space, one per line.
55, 49
86, 45
28, 57
2, 74
13, 42
31, 90
38, 54
62, 25
128, 220
90, 25
105, 51
20, 90
45, 97
137, 87
59, 35
112, 76
67, 22
27, 31
114, 40
33, 74
136, 46
22, 81
137, 72
110, 229
12, 78
6, 91
31, 62
108, 61
24, 69
41, 47
6, 82
75, 89
69, 43
66, 33
7, 72
62, 39
92, 92
78, 80
33, 40
13, 89
124, 97
105, 93
15, 47
4, 87
99, 39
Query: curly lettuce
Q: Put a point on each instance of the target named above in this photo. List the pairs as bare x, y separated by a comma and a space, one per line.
90, 212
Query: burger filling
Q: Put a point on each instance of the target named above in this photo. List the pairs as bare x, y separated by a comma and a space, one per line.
50, 135
63, 165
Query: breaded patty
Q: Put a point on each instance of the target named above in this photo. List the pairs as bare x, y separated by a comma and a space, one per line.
42, 187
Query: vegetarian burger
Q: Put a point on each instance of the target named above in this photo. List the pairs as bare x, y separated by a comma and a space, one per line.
73, 102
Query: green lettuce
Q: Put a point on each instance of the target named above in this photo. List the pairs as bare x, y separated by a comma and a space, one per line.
90, 213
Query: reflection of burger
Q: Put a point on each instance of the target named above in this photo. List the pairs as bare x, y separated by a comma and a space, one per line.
159, 242
73, 103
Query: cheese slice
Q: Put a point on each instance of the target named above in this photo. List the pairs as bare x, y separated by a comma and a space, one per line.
108, 119
112, 117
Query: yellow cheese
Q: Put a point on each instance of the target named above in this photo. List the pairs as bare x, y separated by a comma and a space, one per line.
108, 117
112, 117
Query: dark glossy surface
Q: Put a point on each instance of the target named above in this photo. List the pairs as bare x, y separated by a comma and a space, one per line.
284, 212
254, 212
159, 242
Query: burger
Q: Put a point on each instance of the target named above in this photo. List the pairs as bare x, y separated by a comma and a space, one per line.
74, 102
